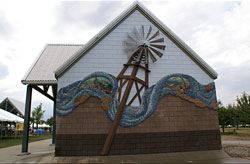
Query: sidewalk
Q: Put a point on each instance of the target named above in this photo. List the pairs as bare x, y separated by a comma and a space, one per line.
236, 142
42, 152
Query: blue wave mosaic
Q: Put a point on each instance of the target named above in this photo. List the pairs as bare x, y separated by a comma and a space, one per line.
103, 85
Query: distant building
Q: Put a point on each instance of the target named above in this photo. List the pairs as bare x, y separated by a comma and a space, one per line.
13, 106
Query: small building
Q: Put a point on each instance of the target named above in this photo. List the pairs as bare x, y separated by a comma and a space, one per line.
134, 88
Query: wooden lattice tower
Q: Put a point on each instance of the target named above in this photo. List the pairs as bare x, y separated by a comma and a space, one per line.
143, 48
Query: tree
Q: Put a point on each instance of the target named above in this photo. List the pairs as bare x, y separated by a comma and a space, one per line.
243, 105
223, 116
37, 114
226, 115
233, 115
50, 121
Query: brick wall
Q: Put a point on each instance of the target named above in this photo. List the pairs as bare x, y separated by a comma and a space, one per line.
175, 125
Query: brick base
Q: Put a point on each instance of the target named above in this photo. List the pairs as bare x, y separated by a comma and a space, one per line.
138, 143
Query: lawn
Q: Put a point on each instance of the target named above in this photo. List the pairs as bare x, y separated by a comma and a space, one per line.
12, 140
233, 134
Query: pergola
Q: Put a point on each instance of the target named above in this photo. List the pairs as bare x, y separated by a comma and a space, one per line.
41, 77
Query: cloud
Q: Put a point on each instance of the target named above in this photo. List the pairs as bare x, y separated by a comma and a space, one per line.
215, 30
232, 82
219, 33
5, 27
3, 71
86, 15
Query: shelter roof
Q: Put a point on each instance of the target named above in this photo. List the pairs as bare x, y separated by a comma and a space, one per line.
9, 117
51, 57
15, 104
151, 17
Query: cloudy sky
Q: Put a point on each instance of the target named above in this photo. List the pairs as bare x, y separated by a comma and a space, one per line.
219, 31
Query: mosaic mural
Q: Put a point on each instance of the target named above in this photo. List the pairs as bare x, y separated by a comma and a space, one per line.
105, 87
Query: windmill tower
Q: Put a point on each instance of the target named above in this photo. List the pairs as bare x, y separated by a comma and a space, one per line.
141, 47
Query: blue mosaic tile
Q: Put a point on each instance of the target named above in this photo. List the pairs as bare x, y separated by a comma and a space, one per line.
100, 84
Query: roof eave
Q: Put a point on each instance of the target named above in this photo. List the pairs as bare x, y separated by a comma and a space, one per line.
38, 82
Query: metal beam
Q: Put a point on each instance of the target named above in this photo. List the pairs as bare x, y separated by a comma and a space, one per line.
43, 92
46, 88
27, 119
6, 105
54, 91
12, 110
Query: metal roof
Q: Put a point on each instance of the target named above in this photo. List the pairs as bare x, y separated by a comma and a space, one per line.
151, 17
17, 105
51, 57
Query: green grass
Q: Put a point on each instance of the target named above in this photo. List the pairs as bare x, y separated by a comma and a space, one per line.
12, 140
229, 131
234, 134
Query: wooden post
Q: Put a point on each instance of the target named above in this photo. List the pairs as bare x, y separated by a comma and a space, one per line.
118, 115
27, 119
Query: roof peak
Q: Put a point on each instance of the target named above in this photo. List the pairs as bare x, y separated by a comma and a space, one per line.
136, 5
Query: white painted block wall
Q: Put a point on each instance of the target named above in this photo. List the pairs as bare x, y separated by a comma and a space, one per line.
109, 56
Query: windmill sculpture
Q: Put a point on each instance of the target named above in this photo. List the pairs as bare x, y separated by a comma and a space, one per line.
142, 47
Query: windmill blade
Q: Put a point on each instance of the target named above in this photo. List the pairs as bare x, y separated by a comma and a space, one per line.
137, 34
149, 31
142, 27
152, 56
132, 39
158, 40
130, 50
158, 46
130, 44
156, 52
155, 35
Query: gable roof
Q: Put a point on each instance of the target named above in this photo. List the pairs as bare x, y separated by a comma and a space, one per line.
17, 105
51, 57
154, 20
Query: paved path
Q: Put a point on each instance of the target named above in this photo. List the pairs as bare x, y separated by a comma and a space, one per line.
236, 142
187, 157
42, 152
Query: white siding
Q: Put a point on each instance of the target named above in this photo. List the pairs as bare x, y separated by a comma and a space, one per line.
109, 56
